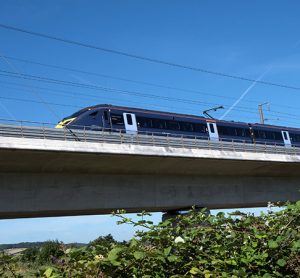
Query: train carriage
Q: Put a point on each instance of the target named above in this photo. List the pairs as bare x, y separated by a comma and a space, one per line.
142, 121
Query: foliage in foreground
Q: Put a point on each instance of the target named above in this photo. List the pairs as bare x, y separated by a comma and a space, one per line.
197, 245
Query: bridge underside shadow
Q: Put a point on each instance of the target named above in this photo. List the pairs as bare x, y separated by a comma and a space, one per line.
54, 194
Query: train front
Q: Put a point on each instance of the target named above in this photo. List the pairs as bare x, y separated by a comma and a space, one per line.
87, 118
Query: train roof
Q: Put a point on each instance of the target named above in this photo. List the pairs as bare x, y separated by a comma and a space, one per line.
171, 114
110, 106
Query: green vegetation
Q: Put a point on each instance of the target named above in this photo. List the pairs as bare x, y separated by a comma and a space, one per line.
194, 245
21, 245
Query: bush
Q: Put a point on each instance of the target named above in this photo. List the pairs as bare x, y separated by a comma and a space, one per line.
193, 245
30, 254
200, 245
49, 251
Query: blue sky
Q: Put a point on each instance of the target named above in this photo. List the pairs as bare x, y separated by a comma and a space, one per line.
244, 38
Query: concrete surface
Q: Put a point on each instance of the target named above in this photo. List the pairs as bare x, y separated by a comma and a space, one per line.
48, 178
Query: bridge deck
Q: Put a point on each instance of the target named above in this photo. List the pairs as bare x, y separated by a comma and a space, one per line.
101, 171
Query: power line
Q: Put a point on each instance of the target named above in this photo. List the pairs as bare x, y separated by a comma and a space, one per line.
89, 96
152, 96
40, 102
107, 89
37, 94
94, 87
144, 83
144, 58
134, 81
114, 77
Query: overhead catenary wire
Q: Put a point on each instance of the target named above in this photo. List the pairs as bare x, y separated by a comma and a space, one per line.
120, 91
108, 89
40, 102
89, 96
126, 92
144, 58
94, 97
137, 81
96, 87
17, 71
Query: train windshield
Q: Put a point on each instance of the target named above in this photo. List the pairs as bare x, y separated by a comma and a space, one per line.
76, 114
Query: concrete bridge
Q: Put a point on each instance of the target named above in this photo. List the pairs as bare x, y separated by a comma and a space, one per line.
52, 173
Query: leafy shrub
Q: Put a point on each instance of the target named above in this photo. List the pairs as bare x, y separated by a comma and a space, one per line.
8, 266
30, 254
193, 245
200, 245
49, 251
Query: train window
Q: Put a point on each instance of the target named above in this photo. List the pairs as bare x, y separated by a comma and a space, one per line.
227, 130
240, 132
260, 134
295, 137
247, 132
285, 135
173, 125
129, 119
157, 123
94, 114
202, 128
105, 115
273, 135
186, 126
212, 128
277, 136
269, 135
117, 119
144, 122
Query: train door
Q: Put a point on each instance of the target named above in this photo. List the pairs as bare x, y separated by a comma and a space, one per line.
286, 138
212, 131
130, 123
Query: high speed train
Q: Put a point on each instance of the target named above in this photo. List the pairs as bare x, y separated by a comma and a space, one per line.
134, 120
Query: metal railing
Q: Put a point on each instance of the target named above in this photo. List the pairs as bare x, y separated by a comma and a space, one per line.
37, 130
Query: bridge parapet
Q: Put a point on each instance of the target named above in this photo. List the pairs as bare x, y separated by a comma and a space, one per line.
34, 130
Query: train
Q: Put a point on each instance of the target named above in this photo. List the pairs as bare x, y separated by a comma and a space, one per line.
142, 121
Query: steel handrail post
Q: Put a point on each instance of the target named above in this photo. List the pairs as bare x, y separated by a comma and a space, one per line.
168, 143
265, 147
44, 131
152, 139
22, 135
285, 150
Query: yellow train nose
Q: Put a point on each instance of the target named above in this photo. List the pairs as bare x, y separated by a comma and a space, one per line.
65, 122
